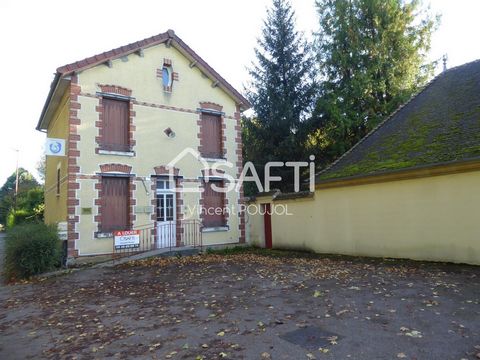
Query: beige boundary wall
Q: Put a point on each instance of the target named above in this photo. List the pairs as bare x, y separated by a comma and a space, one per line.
432, 218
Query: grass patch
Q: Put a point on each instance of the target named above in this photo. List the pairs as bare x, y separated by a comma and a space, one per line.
278, 253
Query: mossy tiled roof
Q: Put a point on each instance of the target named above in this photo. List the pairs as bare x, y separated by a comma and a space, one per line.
440, 124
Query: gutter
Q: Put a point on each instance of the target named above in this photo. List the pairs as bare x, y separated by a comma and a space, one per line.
441, 168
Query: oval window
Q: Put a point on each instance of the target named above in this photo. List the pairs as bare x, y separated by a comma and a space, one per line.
167, 77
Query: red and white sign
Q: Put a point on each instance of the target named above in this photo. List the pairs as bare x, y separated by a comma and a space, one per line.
127, 239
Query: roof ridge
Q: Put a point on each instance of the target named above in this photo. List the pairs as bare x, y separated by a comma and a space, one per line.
459, 66
379, 125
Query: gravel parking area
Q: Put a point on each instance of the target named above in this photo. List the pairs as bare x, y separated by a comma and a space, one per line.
252, 304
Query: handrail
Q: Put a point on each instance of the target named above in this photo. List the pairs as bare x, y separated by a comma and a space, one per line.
185, 232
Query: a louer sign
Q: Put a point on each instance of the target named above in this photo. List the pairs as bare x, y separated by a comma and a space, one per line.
127, 239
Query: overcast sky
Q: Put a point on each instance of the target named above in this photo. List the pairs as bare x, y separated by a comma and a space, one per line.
39, 36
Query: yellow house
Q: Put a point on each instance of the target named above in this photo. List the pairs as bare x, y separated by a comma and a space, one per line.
142, 125
409, 189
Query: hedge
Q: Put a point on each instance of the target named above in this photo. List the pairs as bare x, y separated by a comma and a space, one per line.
31, 249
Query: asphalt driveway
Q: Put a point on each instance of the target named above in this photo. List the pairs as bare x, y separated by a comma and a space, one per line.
247, 306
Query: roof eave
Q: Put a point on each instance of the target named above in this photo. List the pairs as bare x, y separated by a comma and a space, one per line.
57, 89
178, 43
442, 168
209, 71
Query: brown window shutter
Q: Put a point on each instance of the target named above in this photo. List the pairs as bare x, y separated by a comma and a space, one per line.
212, 136
213, 202
115, 204
115, 125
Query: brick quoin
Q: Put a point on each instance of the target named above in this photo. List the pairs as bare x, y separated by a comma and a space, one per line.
226, 213
239, 166
73, 169
201, 202
132, 202
179, 210
98, 203
154, 206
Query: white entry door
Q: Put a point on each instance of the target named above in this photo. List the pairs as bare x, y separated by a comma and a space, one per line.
166, 214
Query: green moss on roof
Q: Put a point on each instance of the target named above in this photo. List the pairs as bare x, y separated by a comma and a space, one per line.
441, 124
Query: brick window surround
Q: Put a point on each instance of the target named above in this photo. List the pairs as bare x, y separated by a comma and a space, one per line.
114, 92
209, 108
115, 170
167, 64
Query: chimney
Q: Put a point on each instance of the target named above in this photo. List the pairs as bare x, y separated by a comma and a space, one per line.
444, 59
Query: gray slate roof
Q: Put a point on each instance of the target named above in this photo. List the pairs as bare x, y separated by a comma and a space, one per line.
440, 124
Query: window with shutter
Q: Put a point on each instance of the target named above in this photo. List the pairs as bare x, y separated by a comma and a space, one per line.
115, 125
213, 205
115, 204
211, 136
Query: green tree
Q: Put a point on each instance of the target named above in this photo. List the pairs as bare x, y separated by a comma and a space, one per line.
372, 54
26, 182
282, 92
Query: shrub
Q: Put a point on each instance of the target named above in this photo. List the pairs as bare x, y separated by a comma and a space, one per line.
31, 249
17, 217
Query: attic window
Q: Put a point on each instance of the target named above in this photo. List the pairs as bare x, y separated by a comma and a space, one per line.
167, 78
167, 75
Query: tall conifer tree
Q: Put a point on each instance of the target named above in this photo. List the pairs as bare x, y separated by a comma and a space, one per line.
282, 91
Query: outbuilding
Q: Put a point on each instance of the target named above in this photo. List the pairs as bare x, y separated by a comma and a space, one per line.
409, 189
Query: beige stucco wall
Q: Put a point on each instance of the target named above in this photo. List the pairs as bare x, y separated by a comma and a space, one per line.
254, 220
56, 205
153, 147
432, 218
